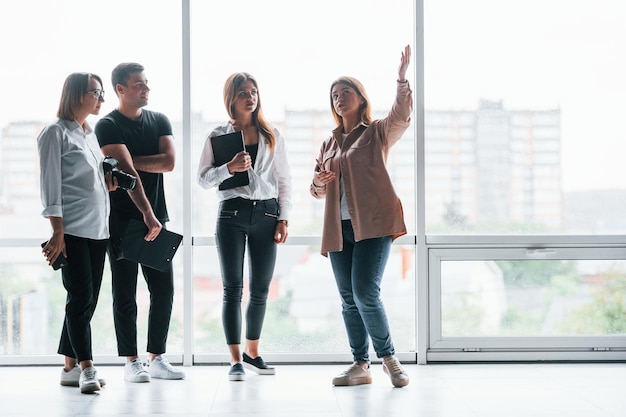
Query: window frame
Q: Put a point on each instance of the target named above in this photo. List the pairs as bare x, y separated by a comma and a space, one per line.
430, 251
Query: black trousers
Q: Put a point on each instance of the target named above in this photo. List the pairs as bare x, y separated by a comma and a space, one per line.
124, 287
82, 279
242, 221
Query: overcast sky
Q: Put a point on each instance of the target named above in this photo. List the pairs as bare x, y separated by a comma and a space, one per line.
532, 54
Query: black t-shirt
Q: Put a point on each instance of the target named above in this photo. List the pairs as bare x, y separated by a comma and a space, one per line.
141, 137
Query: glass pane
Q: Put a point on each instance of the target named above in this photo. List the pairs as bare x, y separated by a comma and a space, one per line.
43, 44
32, 309
295, 60
40, 57
304, 310
523, 117
533, 298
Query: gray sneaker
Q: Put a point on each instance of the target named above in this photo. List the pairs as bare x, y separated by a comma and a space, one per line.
354, 375
88, 381
392, 367
135, 372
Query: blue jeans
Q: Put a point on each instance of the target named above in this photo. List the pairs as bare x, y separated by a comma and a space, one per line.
240, 222
358, 270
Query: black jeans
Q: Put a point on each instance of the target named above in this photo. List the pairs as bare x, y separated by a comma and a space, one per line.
124, 288
82, 278
242, 221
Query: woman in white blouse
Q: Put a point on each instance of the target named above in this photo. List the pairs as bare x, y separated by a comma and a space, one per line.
255, 214
74, 194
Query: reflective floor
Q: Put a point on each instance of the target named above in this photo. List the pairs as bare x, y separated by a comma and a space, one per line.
451, 390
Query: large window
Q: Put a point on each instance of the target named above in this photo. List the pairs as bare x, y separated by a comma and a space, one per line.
524, 189
295, 52
519, 246
523, 122
42, 44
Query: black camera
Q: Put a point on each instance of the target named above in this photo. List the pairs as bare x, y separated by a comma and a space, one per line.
124, 180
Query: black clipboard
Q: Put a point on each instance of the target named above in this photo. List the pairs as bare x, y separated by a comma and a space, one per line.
157, 254
224, 148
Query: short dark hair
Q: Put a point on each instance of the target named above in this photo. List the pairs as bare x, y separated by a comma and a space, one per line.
74, 89
122, 72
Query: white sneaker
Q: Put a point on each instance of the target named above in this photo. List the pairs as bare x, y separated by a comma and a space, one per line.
162, 369
135, 372
88, 381
71, 378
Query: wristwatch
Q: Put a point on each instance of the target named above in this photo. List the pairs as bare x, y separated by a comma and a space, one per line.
284, 221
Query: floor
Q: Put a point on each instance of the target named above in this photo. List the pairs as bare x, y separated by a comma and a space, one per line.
450, 390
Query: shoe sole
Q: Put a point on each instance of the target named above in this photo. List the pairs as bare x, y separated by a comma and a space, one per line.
168, 378
353, 381
236, 377
90, 388
139, 381
259, 371
75, 384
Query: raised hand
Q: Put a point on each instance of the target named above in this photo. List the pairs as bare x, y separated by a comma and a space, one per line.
405, 59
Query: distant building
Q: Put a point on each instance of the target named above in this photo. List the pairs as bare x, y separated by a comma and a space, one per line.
493, 167
486, 168
19, 178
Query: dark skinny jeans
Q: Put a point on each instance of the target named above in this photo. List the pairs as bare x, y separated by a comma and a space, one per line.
242, 221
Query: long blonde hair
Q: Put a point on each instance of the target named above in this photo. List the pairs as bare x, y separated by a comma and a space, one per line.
231, 91
364, 111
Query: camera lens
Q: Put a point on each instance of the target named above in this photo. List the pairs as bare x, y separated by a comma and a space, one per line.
125, 181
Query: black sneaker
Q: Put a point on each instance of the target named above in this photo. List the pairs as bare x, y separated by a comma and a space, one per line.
257, 365
236, 373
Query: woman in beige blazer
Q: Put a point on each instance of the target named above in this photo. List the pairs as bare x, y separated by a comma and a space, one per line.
362, 216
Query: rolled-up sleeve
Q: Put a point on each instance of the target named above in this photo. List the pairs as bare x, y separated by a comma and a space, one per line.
50, 143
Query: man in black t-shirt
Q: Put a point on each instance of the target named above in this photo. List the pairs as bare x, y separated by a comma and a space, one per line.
142, 143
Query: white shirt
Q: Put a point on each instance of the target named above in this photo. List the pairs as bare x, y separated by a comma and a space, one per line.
343, 203
72, 180
269, 178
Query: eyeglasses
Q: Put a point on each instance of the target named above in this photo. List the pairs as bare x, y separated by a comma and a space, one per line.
251, 93
99, 94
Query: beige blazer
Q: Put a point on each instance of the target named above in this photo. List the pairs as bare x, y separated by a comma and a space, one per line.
360, 159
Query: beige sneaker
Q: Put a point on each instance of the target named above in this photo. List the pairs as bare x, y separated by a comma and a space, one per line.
354, 375
392, 367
